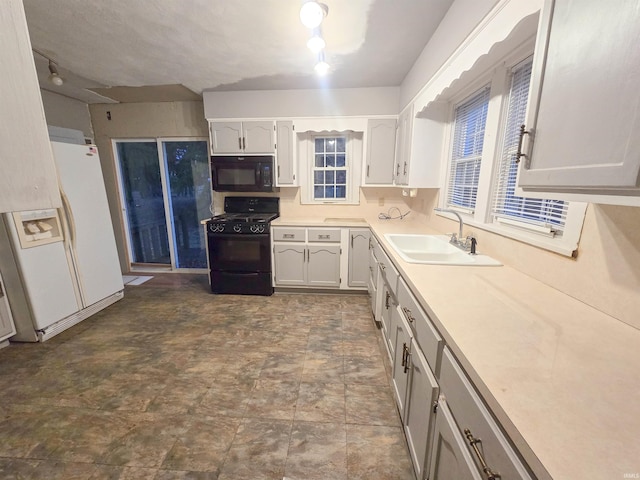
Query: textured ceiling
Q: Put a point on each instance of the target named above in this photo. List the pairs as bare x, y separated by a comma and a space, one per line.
227, 44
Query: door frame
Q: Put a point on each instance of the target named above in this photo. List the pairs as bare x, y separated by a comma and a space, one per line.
162, 164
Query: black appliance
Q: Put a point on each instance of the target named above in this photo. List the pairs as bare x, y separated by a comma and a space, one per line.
239, 246
242, 173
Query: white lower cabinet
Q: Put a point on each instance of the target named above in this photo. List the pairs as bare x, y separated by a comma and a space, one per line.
450, 458
450, 432
372, 284
358, 274
306, 257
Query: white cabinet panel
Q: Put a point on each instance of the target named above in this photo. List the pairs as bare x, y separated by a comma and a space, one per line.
242, 137
323, 263
289, 264
381, 140
584, 112
359, 272
285, 161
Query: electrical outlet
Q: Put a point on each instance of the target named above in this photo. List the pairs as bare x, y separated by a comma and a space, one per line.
381, 201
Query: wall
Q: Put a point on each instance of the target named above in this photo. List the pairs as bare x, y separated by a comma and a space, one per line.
139, 120
66, 112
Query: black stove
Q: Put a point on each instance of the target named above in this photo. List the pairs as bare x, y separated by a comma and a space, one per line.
239, 246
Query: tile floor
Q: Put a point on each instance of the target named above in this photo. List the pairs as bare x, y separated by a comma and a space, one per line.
175, 383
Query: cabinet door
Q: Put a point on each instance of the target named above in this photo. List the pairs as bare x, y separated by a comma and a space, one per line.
289, 264
402, 349
419, 420
449, 455
286, 174
359, 272
258, 137
403, 147
226, 137
584, 112
381, 146
323, 266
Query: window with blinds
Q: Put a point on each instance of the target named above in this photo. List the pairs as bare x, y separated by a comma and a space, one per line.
545, 216
466, 157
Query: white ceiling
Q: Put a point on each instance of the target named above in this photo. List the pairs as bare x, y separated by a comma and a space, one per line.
225, 44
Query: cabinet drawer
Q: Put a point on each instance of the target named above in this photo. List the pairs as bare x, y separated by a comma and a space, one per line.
281, 234
324, 234
389, 271
471, 414
426, 335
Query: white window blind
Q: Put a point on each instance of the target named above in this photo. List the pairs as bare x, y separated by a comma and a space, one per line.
466, 157
545, 216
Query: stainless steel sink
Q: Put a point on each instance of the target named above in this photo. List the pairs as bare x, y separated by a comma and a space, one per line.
434, 250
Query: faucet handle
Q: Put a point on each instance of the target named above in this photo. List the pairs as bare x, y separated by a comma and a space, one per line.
454, 238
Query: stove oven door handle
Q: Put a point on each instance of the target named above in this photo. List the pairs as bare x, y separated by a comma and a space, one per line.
237, 236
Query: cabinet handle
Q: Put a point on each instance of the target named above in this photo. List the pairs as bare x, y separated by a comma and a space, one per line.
397, 169
386, 299
351, 241
244, 143
404, 354
278, 171
382, 266
474, 444
519, 153
239, 143
324, 237
407, 313
288, 235
406, 362
367, 171
404, 172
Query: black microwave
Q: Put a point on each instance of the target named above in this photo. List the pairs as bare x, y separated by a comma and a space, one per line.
242, 173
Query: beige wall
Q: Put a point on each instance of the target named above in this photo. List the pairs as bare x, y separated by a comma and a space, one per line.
66, 112
139, 120
605, 274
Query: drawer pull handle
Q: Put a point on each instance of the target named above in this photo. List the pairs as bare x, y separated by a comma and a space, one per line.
407, 313
324, 237
474, 444
405, 357
386, 299
288, 235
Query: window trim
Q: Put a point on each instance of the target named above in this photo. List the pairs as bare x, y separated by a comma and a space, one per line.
499, 80
354, 150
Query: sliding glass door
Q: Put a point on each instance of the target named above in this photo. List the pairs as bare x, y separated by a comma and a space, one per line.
165, 191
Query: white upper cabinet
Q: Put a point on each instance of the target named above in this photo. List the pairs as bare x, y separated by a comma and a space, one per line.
28, 180
242, 137
381, 143
285, 160
584, 114
403, 146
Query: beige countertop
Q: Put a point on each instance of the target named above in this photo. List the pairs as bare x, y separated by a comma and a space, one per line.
562, 377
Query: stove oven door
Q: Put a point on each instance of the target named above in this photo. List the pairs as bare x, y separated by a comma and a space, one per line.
240, 263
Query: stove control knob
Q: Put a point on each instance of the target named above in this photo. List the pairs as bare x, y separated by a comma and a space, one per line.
260, 229
237, 228
221, 228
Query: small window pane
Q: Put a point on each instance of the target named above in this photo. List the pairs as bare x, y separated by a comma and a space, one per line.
319, 145
318, 178
340, 160
329, 192
319, 161
329, 177
330, 144
341, 176
341, 144
331, 160
341, 191
318, 191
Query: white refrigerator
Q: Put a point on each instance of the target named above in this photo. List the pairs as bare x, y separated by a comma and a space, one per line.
61, 266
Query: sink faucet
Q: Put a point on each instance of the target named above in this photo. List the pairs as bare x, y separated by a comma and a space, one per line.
459, 242
448, 210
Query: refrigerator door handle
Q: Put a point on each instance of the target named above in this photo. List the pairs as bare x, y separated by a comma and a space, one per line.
68, 218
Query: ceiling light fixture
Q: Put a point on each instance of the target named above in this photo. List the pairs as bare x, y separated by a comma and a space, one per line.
316, 43
54, 76
312, 13
322, 67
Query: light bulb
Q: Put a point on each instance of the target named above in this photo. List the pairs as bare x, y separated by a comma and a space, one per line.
312, 13
56, 79
316, 43
321, 68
